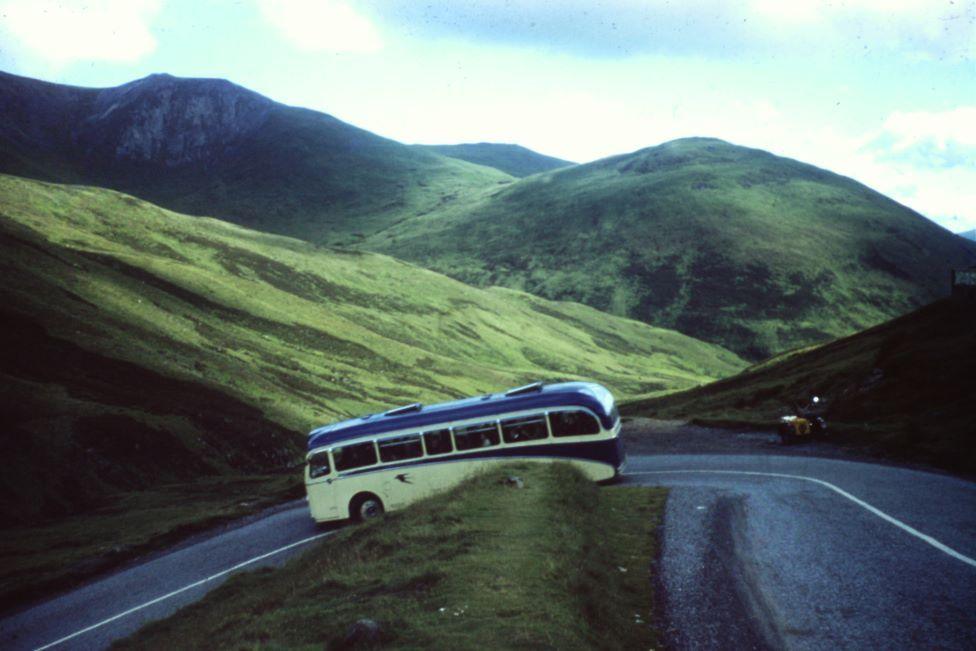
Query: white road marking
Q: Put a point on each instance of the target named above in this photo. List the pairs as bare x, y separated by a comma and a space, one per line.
184, 589
876, 511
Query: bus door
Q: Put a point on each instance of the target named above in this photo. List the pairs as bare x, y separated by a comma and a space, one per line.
321, 493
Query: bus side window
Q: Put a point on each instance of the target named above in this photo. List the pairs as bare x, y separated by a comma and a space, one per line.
482, 435
318, 465
530, 428
404, 447
573, 423
354, 456
438, 442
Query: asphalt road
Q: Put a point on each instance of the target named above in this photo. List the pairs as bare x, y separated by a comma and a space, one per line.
868, 557
748, 560
93, 616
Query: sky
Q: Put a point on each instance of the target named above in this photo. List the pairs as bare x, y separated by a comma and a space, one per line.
883, 91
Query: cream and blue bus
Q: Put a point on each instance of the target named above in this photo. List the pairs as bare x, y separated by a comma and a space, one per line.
358, 468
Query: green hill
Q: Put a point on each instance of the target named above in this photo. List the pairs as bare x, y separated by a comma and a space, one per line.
511, 159
209, 147
143, 346
731, 245
904, 388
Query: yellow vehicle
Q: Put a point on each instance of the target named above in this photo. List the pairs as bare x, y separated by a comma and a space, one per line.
804, 425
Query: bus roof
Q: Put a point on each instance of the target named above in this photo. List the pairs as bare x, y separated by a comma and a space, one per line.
593, 396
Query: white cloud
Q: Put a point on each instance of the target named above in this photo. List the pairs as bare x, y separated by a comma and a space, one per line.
927, 160
322, 25
814, 10
918, 29
889, 160
924, 160
900, 160
95, 30
835, 29
941, 130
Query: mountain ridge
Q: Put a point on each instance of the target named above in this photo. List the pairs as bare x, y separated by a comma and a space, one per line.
723, 242
68, 116
510, 158
210, 147
729, 244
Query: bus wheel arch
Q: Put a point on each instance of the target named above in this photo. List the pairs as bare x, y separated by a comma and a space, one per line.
365, 506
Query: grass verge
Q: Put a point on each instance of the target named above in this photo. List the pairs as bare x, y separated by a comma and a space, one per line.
559, 563
39, 560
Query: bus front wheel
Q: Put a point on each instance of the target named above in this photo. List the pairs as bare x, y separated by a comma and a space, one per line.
365, 506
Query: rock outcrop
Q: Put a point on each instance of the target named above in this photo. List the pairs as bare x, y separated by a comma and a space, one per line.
158, 120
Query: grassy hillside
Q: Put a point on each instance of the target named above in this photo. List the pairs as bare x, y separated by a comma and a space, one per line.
511, 159
144, 346
731, 245
728, 244
558, 564
209, 147
905, 388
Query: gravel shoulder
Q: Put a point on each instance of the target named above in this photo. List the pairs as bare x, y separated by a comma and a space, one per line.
754, 557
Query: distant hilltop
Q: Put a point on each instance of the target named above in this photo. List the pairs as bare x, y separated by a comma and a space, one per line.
158, 119
725, 243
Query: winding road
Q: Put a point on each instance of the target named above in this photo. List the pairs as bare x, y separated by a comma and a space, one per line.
806, 553
759, 551
113, 607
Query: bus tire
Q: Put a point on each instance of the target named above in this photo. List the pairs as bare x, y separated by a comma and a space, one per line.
365, 506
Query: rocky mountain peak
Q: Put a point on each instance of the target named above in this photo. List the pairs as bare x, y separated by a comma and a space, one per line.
162, 119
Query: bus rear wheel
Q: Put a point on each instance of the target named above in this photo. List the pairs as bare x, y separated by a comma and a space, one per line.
365, 506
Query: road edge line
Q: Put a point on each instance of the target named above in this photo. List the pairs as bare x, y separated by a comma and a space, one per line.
942, 547
183, 589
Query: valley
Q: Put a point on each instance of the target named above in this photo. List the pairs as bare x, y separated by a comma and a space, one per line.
754, 252
195, 275
154, 347
150, 356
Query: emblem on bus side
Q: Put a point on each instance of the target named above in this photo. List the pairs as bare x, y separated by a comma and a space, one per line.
405, 478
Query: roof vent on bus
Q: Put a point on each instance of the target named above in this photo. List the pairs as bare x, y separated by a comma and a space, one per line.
406, 409
528, 388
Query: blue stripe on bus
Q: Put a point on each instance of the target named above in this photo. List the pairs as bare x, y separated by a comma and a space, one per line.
608, 451
569, 394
